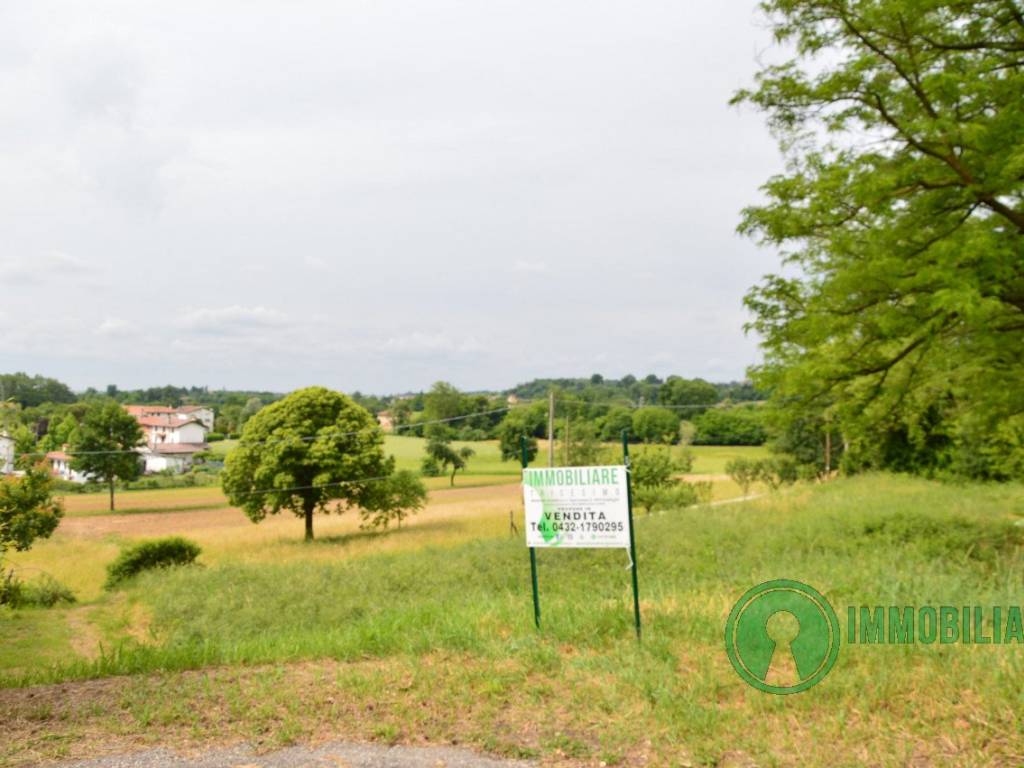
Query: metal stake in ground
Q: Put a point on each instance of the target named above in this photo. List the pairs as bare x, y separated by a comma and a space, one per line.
533, 551
632, 538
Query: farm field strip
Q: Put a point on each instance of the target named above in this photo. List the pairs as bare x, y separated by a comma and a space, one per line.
486, 468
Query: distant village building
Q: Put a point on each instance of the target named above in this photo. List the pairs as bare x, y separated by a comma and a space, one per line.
512, 400
173, 435
386, 420
6, 454
60, 466
171, 429
201, 413
176, 457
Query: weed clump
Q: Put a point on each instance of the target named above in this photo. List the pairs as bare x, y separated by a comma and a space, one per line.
44, 592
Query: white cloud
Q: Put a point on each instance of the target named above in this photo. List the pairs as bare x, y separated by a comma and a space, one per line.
113, 326
42, 267
438, 344
232, 319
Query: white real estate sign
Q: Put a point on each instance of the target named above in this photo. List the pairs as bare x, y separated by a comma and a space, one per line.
576, 507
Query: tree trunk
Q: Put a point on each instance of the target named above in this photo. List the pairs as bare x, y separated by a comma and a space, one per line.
111, 494
452, 482
308, 509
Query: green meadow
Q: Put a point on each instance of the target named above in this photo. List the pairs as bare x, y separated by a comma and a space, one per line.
436, 641
408, 452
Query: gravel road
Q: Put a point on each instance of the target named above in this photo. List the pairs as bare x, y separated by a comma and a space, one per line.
330, 755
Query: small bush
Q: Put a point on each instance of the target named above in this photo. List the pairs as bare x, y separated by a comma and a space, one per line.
778, 471
675, 496
214, 437
744, 472
147, 555
66, 486
773, 472
10, 589
44, 592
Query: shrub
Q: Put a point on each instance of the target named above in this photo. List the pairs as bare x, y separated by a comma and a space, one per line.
778, 471
774, 472
675, 496
66, 486
10, 589
744, 472
655, 485
214, 437
146, 555
44, 592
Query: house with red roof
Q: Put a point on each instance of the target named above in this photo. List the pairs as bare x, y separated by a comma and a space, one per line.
60, 466
173, 435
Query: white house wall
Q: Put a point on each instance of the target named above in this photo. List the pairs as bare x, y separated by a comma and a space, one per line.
188, 433
6, 455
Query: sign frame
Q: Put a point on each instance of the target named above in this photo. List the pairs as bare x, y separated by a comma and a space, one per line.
632, 538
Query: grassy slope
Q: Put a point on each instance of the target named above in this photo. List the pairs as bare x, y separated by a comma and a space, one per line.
441, 630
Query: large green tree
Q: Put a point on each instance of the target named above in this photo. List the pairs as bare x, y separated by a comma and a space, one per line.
105, 444
656, 425
694, 395
901, 216
525, 421
314, 450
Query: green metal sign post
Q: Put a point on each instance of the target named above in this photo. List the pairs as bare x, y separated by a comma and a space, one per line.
632, 539
533, 550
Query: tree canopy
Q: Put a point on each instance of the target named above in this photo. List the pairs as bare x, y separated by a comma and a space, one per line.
105, 442
656, 425
314, 450
29, 391
901, 216
691, 393
27, 510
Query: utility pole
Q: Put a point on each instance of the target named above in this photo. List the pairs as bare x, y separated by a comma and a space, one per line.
551, 428
567, 440
828, 447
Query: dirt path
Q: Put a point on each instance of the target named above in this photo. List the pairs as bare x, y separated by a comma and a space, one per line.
85, 638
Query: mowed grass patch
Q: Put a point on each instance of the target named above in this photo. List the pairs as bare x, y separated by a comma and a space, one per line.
137, 502
418, 636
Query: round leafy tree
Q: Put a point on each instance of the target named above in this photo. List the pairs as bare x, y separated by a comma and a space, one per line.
104, 446
315, 450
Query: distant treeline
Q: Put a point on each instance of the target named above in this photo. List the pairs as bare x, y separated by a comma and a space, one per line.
43, 413
651, 389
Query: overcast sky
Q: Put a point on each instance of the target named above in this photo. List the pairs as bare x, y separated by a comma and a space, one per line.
376, 195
